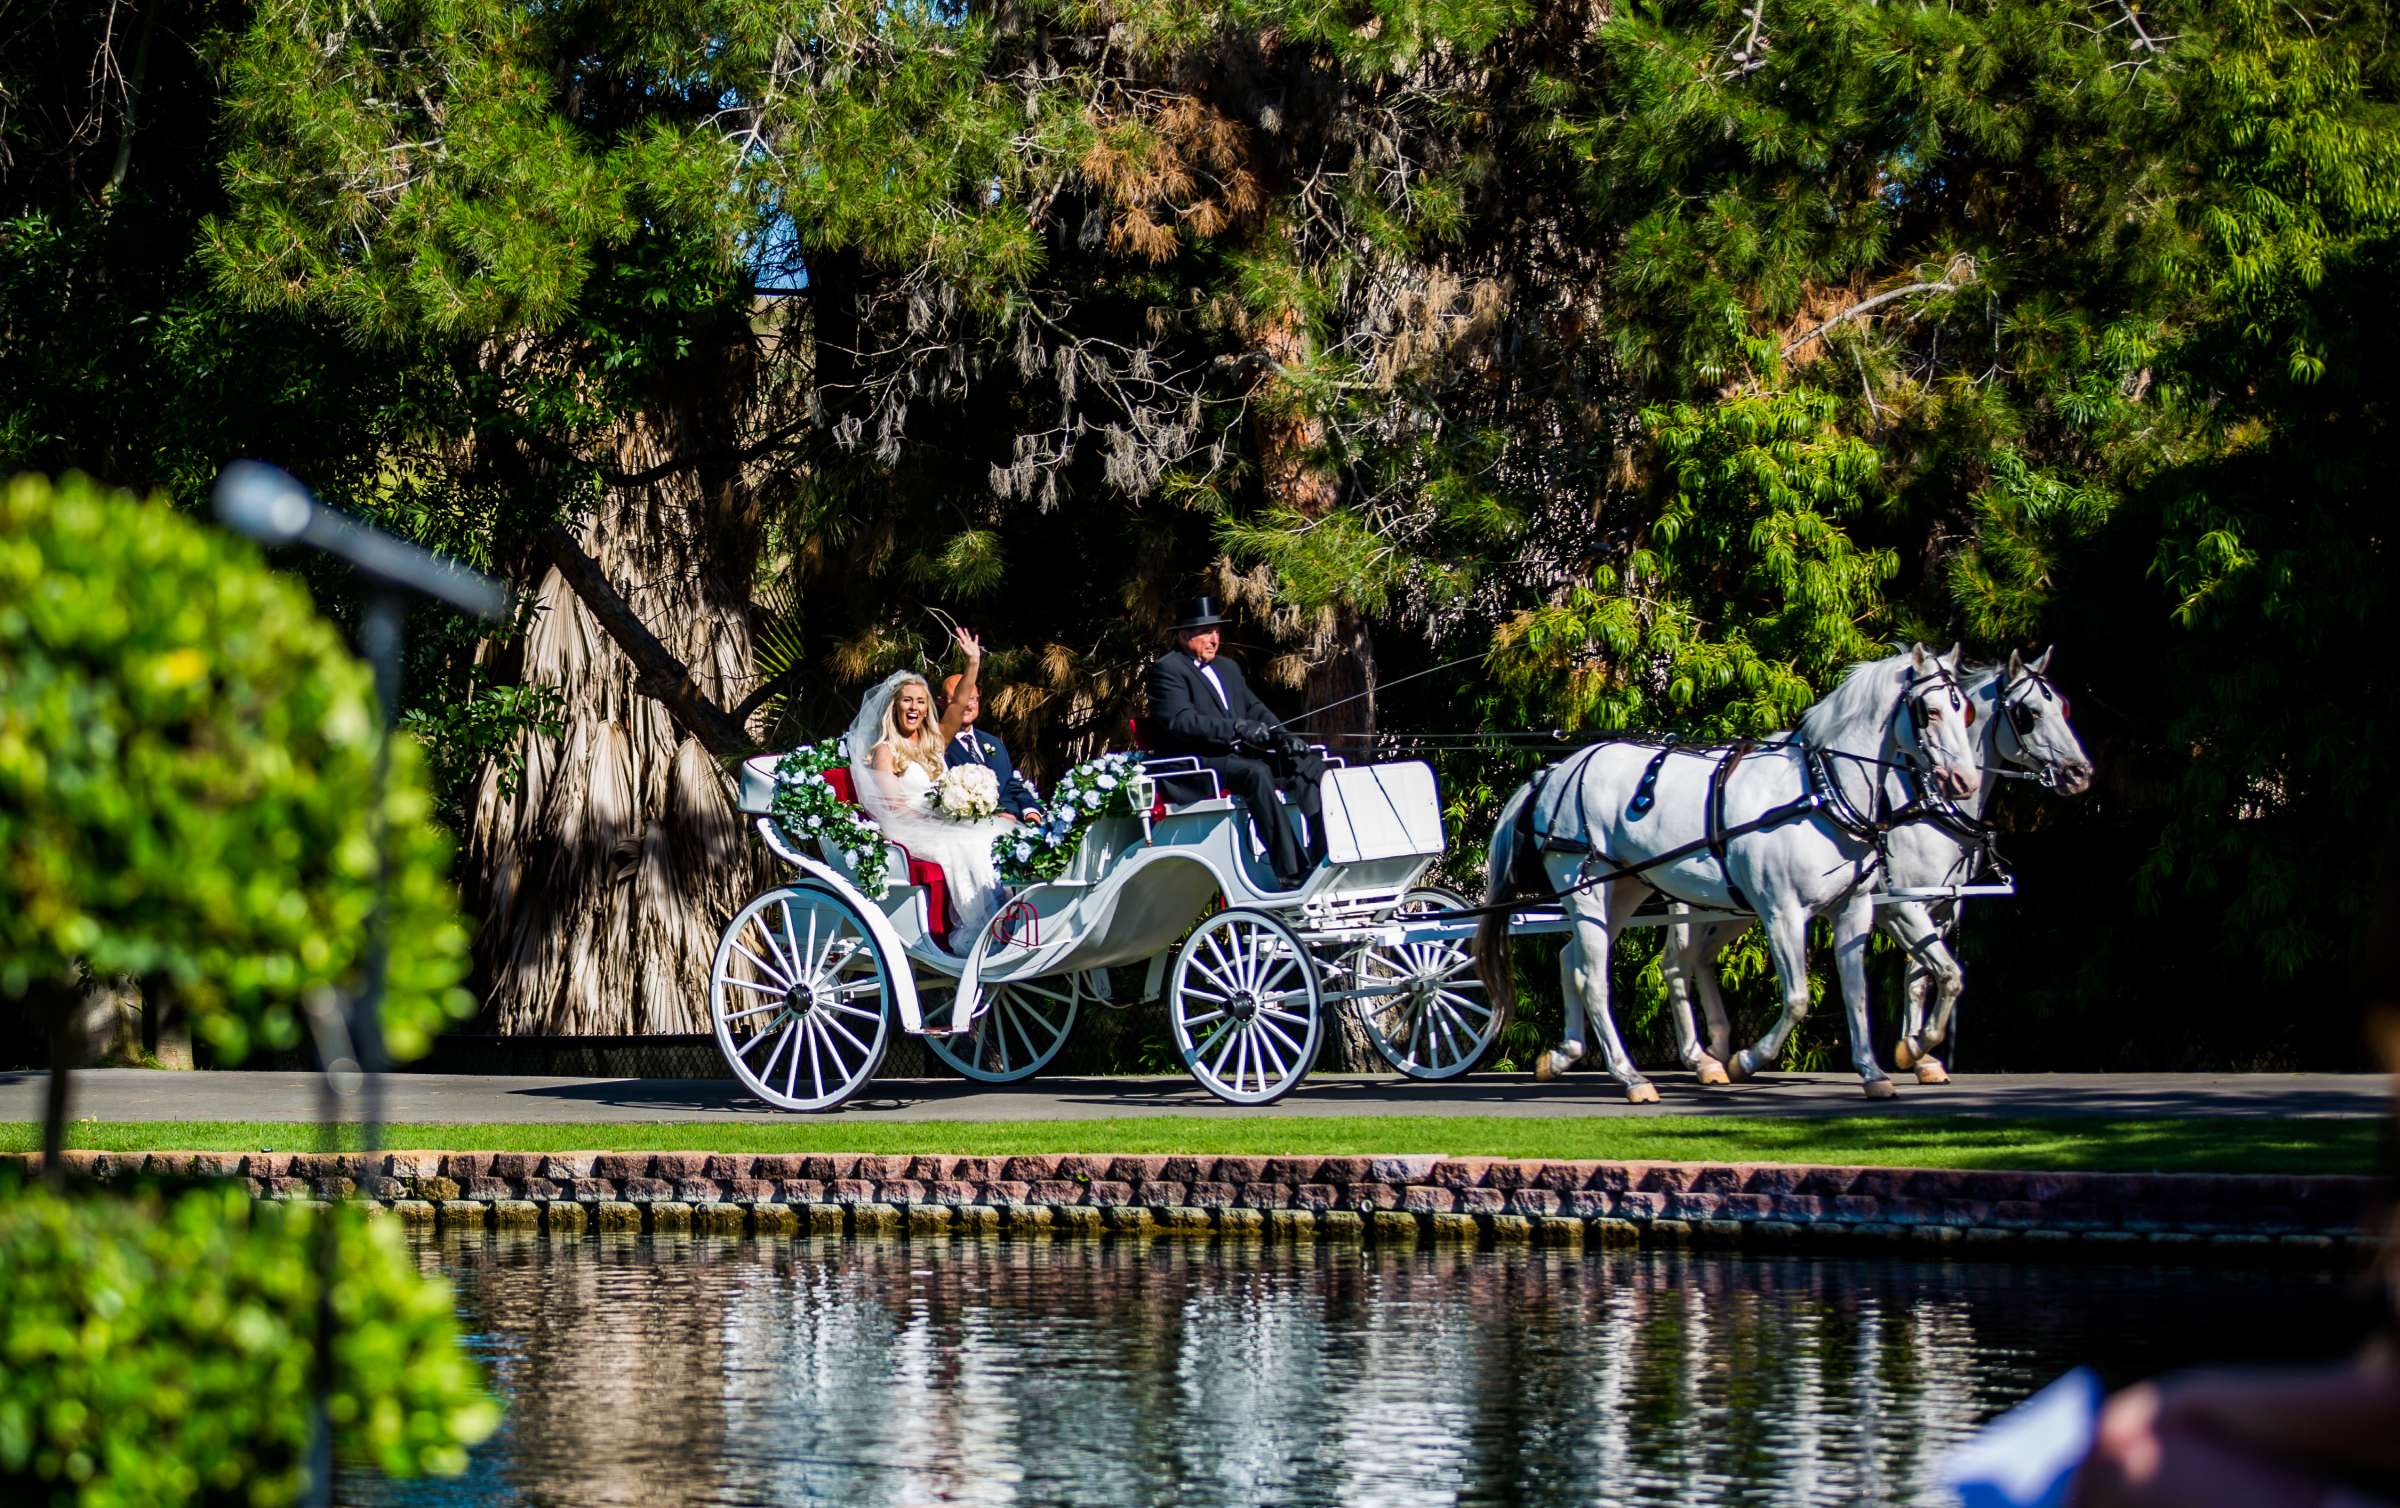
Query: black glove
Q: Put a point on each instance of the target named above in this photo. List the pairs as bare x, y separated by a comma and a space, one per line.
1291, 744
1253, 732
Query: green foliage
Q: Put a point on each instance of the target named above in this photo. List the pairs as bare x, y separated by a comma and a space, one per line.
1676, 355
183, 748
488, 724
160, 1350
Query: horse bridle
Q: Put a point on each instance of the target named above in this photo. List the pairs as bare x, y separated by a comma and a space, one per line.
2021, 717
1916, 698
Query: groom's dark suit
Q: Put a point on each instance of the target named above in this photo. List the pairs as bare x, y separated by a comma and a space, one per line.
1226, 727
974, 746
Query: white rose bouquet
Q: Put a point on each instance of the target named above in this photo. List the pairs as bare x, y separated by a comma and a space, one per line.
965, 793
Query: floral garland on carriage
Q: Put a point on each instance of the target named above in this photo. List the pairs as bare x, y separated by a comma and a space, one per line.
807, 806
1039, 851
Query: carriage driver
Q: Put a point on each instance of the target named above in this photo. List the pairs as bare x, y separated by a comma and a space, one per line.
1200, 705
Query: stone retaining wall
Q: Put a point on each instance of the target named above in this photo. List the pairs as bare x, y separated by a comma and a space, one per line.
2320, 1219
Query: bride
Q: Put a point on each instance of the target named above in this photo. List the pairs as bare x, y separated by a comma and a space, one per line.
895, 757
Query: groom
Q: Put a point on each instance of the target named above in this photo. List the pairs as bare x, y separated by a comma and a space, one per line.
1200, 705
974, 746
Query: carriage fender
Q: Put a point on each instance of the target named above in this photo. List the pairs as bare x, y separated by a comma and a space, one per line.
1109, 894
879, 927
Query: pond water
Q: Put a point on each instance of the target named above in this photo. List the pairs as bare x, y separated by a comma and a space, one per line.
654, 1374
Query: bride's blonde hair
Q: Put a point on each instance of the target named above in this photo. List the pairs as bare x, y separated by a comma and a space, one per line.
925, 750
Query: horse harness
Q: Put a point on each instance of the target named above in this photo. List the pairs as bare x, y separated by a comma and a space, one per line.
1822, 794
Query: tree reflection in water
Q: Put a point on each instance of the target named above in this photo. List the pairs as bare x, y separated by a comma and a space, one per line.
654, 1374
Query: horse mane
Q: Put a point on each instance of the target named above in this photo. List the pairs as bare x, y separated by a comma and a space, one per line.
1862, 701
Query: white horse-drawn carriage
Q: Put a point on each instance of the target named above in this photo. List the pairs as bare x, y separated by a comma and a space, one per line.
812, 978
1869, 813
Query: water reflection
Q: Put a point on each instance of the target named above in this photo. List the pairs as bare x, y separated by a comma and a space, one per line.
877, 1373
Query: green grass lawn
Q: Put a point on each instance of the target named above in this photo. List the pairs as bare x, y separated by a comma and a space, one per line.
2262, 1145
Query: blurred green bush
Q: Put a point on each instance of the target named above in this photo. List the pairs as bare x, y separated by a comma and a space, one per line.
185, 751
159, 1349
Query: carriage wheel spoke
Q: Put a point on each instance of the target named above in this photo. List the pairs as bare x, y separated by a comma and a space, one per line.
1016, 1019
1445, 1034
756, 1010
828, 1024
1267, 1028
1229, 1035
1228, 966
768, 969
1460, 1000
753, 986
785, 944
999, 1038
781, 1042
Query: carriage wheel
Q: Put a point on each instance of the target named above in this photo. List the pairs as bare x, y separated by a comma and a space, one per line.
800, 997
1425, 1010
1246, 1006
1021, 1028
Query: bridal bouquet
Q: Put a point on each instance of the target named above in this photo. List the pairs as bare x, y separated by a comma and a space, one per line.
965, 793
808, 809
1038, 851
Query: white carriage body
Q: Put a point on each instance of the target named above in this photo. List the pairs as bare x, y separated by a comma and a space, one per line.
1135, 888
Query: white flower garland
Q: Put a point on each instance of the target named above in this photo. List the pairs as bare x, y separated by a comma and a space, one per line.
1039, 851
808, 808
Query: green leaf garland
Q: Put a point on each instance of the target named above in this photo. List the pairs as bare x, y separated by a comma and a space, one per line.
1038, 851
809, 808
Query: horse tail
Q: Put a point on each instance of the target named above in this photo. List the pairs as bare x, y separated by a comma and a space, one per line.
1493, 962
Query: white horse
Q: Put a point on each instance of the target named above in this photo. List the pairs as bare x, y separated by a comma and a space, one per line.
1785, 831
2021, 722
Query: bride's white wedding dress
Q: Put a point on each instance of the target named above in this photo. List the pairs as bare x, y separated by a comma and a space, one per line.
898, 805
963, 849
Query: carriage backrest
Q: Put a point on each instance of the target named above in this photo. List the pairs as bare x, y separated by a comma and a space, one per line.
1382, 811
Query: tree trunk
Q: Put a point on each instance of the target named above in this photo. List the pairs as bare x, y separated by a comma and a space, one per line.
1336, 645
58, 1003
605, 877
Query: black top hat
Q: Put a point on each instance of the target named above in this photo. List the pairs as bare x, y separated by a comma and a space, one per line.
1198, 613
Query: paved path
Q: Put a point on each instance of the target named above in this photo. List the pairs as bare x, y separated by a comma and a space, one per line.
133, 1094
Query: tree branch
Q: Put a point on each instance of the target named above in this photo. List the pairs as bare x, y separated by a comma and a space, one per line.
657, 673
768, 688
1862, 306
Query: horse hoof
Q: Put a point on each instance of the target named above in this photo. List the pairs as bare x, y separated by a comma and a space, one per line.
1545, 1067
1712, 1072
1641, 1093
1931, 1072
1904, 1055
1742, 1065
1879, 1089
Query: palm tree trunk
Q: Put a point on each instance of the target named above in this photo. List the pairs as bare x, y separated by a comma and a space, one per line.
607, 873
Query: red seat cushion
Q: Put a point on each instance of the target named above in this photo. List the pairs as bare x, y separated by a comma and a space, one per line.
937, 892
920, 872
